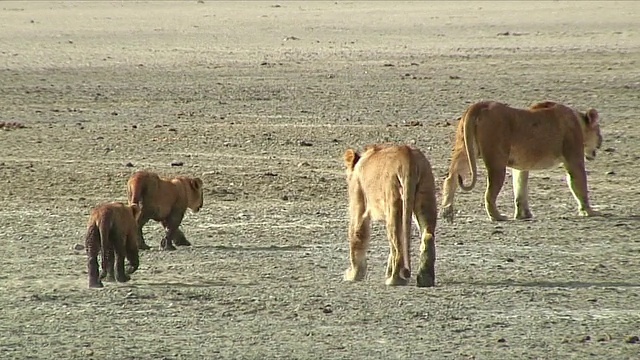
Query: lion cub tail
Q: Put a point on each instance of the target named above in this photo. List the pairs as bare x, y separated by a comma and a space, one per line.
469, 119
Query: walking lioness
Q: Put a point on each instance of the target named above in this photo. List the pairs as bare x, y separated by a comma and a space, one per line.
537, 138
390, 183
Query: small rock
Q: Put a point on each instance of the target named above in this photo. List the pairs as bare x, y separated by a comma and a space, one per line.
454, 77
510, 260
632, 340
327, 309
173, 130
388, 65
611, 172
304, 143
609, 150
585, 338
177, 163
502, 340
114, 113
304, 163
129, 164
78, 247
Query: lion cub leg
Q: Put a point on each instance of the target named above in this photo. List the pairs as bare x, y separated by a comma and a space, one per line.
577, 180
92, 246
521, 194
132, 253
121, 251
108, 262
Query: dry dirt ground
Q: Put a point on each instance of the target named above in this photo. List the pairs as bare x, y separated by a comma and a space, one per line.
260, 99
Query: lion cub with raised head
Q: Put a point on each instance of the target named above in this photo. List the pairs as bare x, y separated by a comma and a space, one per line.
165, 200
537, 138
112, 230
389, 183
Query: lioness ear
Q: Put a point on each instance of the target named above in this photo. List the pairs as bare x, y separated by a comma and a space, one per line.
351, 157
593, 117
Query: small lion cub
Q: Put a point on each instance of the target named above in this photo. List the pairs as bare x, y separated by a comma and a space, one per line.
391, 183
112, 228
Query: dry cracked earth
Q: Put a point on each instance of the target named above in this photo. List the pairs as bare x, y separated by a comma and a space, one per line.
261, 99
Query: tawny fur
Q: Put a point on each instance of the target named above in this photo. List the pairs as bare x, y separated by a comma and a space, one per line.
112, 232
543, 136
164, 200
390, 183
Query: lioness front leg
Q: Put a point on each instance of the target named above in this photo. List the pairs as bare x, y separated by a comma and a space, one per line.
521, 194
495, 181
577, 180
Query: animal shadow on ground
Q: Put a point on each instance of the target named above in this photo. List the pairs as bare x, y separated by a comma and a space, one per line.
550, 284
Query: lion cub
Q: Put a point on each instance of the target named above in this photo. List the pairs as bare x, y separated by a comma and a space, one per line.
537, 138
165, 200
390, 183
112, 229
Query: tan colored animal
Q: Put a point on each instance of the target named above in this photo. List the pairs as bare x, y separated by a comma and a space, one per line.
112, 230
165, 200
390, 183
537, 138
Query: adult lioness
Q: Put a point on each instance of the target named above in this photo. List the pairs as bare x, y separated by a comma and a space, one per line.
164, 200
537, 138
112, 228
390, 183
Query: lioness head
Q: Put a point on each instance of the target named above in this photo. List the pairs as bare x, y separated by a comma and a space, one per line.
351, 158
196, 198
591, 133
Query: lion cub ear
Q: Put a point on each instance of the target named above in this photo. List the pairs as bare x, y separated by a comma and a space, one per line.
593, 117
196, 183
351, 158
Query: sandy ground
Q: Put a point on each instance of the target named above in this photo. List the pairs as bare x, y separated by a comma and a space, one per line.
260, 99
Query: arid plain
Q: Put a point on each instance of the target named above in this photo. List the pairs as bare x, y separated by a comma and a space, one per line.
260, 99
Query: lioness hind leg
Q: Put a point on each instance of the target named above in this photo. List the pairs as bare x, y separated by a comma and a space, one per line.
108, 261
121, 275
521, 194
359, 234
459, 165
180, 239
495, 181
142, 220
577, 180
132, 255
400, 271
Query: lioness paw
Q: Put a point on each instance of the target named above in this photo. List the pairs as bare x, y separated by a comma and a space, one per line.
589, 212
353, 275
447, 213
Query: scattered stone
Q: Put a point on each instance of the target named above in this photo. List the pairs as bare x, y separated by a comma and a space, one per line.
632, 340
290, 38
304, 143
454, 77
609, 150
327, 309
611, 172
388, 65
114, 113
585, 338
129, 164
276, 5
177, 163
11, 125
304, 163
502, 340
510, 260
78, 247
